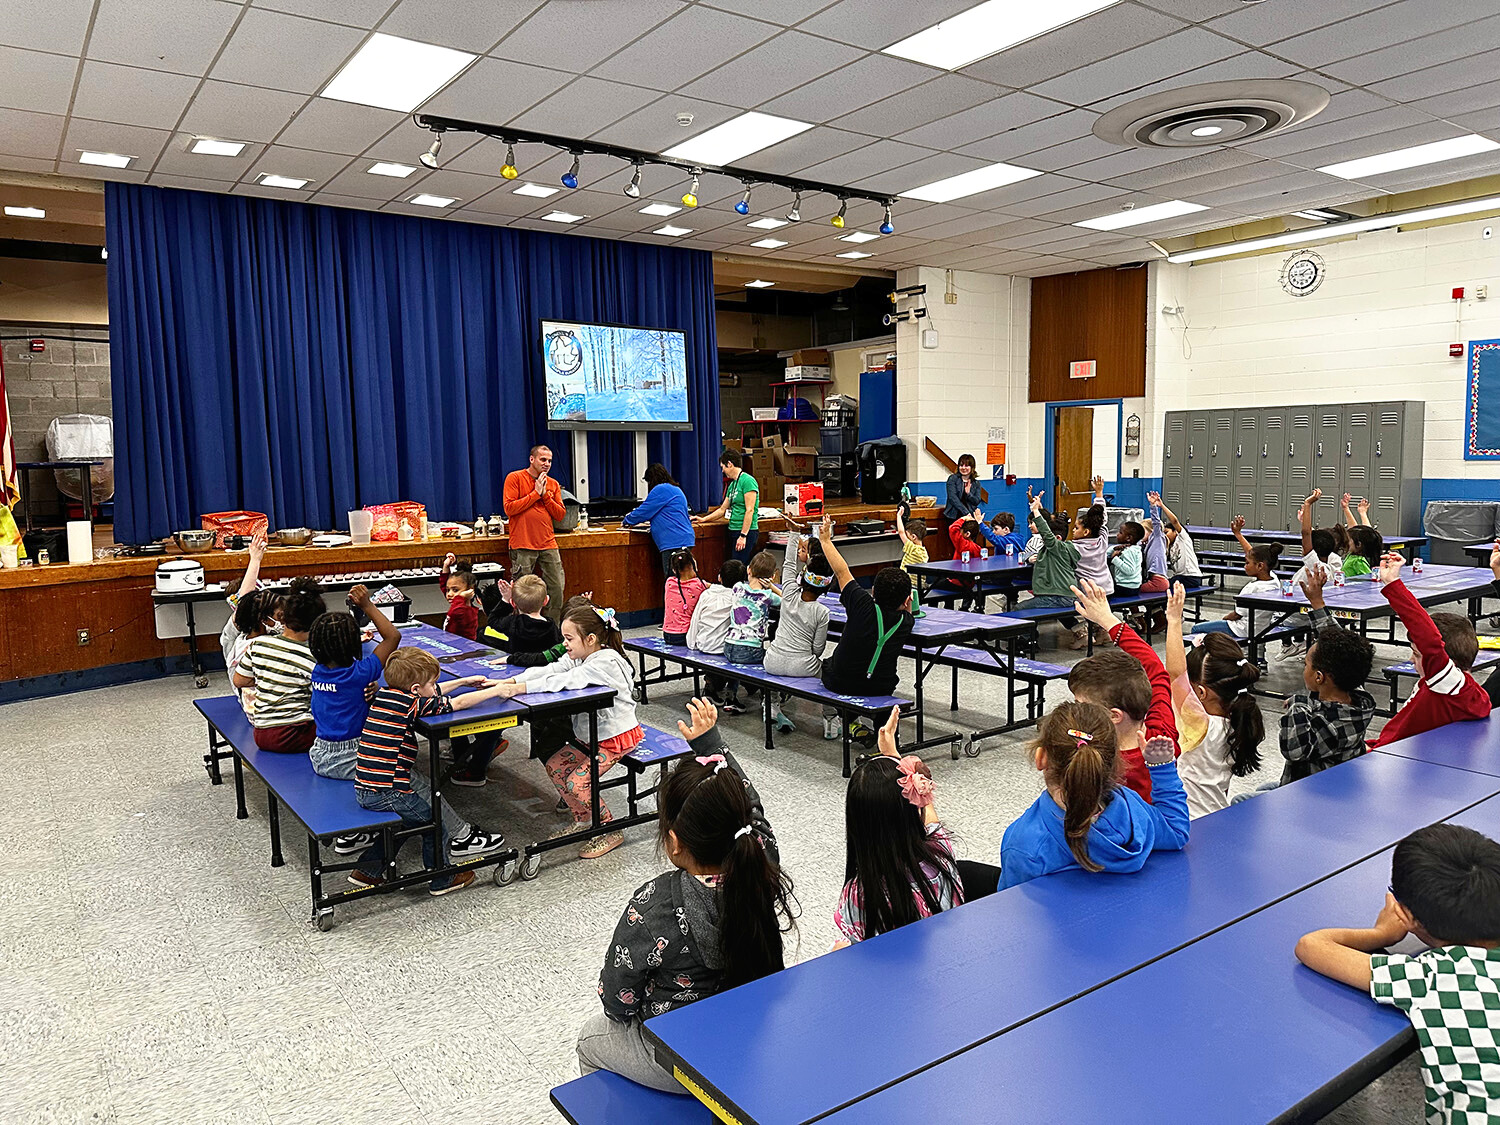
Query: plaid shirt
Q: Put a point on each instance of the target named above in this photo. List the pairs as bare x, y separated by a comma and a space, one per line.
1319, 733
1450, 995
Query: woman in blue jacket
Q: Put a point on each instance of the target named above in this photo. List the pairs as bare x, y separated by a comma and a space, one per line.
963, 490
666, 510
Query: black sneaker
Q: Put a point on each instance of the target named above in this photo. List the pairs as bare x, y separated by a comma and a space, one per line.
475, 844
469, 778
353, 843
732, 707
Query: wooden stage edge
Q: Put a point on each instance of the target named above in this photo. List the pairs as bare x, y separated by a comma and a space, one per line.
43, 609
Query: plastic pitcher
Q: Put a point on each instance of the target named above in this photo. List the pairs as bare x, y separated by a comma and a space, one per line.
361, 523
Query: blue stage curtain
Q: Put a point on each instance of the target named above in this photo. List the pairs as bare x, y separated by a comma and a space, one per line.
301, 361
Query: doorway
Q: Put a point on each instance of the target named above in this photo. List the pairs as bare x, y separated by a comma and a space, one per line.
1082, 441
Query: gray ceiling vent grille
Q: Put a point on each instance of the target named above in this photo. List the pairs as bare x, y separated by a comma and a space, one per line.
1213, 113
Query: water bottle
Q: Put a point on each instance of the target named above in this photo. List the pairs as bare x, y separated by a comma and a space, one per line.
1338, 577
968, 555
1416, 565
984, 552
1286, 587
1010, 550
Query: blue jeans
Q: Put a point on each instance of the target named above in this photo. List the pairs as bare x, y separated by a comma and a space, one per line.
752, 545
334, 759
744, 654
1218, 626
413, 809
1051, 601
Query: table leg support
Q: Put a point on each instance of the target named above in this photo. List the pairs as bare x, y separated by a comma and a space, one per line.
240, 812
273, 812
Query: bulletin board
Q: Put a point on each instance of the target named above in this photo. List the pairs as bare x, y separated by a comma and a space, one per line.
1482, 402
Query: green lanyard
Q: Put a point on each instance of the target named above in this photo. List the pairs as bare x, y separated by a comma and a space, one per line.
885, 635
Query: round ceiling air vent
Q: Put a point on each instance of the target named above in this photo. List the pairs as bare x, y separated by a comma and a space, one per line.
1213, 113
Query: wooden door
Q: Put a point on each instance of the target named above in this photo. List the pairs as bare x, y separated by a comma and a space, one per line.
1072, 460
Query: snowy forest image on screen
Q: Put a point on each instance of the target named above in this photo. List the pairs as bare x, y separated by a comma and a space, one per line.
603, 374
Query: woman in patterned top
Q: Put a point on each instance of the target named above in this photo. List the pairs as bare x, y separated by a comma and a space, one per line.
899, 863
713, 922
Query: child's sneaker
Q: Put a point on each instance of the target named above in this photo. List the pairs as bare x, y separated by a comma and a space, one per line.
832, 728
732, 706
475, 844
360, 879
784, 724
601, 845
354, 842
460, 881
470, 778
1291, 649
862, 732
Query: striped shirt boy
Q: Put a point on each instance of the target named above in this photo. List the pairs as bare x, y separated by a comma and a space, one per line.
282, 670
388, 744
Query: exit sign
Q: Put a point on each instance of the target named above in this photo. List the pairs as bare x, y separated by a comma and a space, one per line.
1082, 369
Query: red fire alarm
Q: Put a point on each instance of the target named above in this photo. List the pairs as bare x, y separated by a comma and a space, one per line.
1456, 350
39, 345
1010, 479
1458, 293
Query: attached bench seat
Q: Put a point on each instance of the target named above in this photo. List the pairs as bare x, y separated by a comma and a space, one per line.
604, 1098
1407, 670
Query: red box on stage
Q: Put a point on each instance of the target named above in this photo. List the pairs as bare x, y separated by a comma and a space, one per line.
226, 524
803, 500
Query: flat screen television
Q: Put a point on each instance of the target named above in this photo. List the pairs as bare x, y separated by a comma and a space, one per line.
614, 377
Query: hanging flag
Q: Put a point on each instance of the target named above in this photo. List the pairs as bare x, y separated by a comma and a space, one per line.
9, 493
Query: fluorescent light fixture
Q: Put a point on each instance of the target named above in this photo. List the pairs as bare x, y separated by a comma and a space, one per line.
989, 28
673, 232
540, 191
1339, 230
271, 179
726, 143
769, 243
385, 168
860, 236
393, 73
1411, 157
767, 223
26, 212
207, 146
105, 159
1208, 130
970, 183
660, 210
854, 254
562, 217
425, 200
1138, 215
759, 284
1317, 214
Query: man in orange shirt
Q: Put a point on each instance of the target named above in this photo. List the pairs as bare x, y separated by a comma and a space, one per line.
533, 502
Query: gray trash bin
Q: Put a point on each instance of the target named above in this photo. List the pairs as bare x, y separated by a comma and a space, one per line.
1453, 525
1114, 517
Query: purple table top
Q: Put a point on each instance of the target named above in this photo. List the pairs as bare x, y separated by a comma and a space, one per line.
943, 626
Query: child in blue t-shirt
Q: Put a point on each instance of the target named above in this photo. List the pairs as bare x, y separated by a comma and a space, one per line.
340, 681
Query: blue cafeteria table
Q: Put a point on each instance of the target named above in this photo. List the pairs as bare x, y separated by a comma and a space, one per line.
809, 1040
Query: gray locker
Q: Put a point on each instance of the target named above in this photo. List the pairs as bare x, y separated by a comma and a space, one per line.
1174, 462
1396, 479
1357, 452
1300, 439
1273, 458
1221, 438
1328, 465
1196, 507
1247, 441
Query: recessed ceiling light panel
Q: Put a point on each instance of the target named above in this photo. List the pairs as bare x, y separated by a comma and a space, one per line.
854, 254
660, 210
673, 232
389, 72
860, 236
207, 146
26, 212
105, 159
385, 168
758, 284
1415, 157
726, 143
770, 243
1137, 216
270, 179
970, 183
425, 200
989, 28
767, 223
538, 191
562, 217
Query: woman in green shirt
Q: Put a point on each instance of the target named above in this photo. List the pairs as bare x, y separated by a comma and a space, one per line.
741, 505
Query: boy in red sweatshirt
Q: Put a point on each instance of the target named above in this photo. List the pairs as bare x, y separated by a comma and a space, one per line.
1132, 685
1443, 647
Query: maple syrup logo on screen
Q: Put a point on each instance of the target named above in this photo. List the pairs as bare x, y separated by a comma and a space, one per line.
1303, 272
564, 354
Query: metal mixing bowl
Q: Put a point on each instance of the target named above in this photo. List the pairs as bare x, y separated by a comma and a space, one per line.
294, 536
195, 542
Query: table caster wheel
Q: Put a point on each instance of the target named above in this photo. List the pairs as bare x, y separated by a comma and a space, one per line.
506, 872
324, 920
953, 749
971, 748
531, 867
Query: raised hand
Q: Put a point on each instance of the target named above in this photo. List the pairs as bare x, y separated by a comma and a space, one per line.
1176, 599
1346, 500
1154, 499
1364, 507
825, 529
1034, 501
360, 596
449, 559
703, 715
258, 546
1098, 483
1390, 566
885, 738
1092, 603
1312, 581
1237, 524
1495, 560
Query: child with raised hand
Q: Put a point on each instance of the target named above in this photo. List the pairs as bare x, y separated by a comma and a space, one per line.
750, 619
384, 778
1089, 536
802, 636
596, 658
526, 635
1445, 892
715, 920
458, 586
1132, 685
235, 636
1182, 556
1001, 531
913, 537
1260, 566
899, 864
1219, 723
683, 590
341, 681
256, 614
1086, 820
279, 667
1055, 572
1319, 545
1443, 648
967, 534
709, 629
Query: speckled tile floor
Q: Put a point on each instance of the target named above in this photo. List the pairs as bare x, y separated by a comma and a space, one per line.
155, 968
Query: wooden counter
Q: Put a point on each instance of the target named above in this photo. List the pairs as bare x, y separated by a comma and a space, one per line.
42, 609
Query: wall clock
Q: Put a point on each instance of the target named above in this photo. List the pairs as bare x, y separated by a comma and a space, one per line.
1302, 272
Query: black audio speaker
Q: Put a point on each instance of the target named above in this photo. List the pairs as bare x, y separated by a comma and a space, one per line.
882, 470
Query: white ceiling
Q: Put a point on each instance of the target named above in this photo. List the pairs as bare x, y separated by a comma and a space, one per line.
143, 77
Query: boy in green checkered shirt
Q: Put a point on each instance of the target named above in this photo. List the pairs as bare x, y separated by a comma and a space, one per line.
1445, 891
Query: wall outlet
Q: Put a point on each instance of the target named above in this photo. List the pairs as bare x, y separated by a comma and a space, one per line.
1481, 291
84, 637
950, 298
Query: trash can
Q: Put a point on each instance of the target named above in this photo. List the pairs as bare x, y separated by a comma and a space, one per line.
1114, 517
1453, 525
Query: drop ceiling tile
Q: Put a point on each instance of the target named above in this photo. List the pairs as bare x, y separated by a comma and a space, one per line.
852, 87
1371, 31
285, 52
1076, 241
1011, 111
344, 202
465, 27
176, 160
463, 186
1038, 196
1266, 192
1258, 24
937, 166
583, 107
941, 97
783, 12
1046, 266
1251, 65
1057, 157
59, 25
107, 92
244, 113
1470, 167
1099, 36
186, 183
101, 136
27, 134
495, 91
1014, 144
338, 126
1315, 136
1451, 105
876, 24
1098, 199
574, 37
1372, 144
654, 127
982, 227
1012, 228
32, 80
1186, 166
1460, 74
1182, 51
804, 150
1123, 162
688, 45
355, 180
354, 13
181, 36
1486, 121
302, 164
1452, 45
773, 68
879, 157
502, 201
260, 191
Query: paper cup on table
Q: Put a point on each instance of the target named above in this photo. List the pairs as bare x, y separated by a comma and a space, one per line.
80, 541
361, 523
9, 556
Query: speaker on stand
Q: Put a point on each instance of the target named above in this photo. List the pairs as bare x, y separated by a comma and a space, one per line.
882, 470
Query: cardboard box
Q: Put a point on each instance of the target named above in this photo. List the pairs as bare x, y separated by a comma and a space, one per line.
772, 487
816, 357
760, 464
735, 444
803, 500
771, 441
807, 373
796, 460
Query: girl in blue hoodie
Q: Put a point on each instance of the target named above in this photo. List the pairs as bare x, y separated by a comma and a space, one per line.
1085, 819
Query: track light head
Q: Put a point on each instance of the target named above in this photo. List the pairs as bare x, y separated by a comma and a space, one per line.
838, 220
885, 225
795, 214
509, 169
570, 177
633, 188
690, 197
430, 157
743, 206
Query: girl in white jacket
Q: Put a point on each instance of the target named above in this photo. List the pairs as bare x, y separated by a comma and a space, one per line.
596, 658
